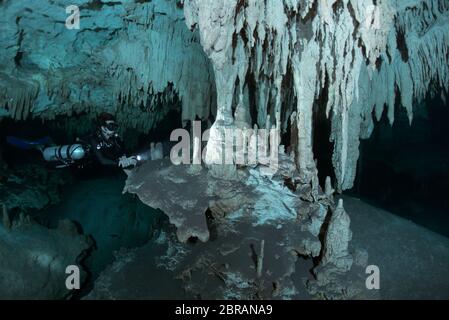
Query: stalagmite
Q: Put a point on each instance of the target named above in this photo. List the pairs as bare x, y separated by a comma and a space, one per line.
338, 236
260, 259
328, 190
24, 219
6, 220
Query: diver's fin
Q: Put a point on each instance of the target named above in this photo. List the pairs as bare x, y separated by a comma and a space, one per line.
27, 144
62, 166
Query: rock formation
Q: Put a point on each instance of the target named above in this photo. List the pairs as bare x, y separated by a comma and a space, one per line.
287, 51
251, 232
5, 218
33, 260
336, 242
251, 60
133, 58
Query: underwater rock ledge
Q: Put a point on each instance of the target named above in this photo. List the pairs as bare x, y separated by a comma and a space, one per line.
252, 232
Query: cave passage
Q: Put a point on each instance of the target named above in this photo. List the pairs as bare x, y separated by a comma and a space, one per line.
90, 196
405, 169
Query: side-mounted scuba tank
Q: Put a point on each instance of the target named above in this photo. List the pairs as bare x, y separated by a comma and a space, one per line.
68, 154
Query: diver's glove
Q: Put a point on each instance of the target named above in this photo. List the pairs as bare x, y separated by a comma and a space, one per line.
126, 162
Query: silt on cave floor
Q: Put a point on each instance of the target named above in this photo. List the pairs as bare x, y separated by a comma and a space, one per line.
353, 94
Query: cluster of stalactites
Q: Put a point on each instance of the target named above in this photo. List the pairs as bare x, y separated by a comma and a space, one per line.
277, 57
137, 60
17, 97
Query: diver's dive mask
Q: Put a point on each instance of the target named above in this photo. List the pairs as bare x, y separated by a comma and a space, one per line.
109, 129
111, 126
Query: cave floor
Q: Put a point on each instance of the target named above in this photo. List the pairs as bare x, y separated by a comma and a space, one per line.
217, 257
413, 261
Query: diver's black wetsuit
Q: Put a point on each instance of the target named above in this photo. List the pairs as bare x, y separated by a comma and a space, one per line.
105, 152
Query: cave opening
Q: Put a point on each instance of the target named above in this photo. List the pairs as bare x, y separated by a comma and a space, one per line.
405, 169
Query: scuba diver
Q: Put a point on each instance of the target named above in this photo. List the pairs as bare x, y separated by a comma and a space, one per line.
103, 146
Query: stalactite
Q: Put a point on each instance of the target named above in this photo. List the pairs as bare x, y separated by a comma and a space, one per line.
354, 46
17, 96
141, 58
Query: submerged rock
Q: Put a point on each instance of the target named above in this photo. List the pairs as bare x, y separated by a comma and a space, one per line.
33, 260
182, 196
336, 243
232, 219
30, 187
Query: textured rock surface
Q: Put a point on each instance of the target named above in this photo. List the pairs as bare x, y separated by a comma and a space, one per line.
30, 187
336, 243
336, 260
132, 57
33, 259
404, 266
182, 197
232, 219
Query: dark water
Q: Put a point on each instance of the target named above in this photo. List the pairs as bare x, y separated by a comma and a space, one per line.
112, 219
405, 169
